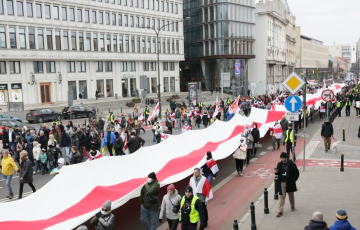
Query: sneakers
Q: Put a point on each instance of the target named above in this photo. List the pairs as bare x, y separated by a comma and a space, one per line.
241, 174
10, 196
279, 214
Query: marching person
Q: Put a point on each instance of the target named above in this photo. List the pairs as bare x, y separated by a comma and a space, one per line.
191, 211
146, 113
338, 105
240, 156
104, 220
284, 126
202, 188
317, 222
25, 173
149, 199
347, 106
249, 142
256, 136
170, 207
276, 135
341, 222
286, 183
327, 131
109, 139
8, 167
210, 168
289, 140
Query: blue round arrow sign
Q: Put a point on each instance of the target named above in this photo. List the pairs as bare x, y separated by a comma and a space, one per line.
293, 104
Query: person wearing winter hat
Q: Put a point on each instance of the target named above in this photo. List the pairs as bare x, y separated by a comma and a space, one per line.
288, 173
191, 211
82, 227
210, 168
149, 199
316, 222
104, 220
170, 207
342, 223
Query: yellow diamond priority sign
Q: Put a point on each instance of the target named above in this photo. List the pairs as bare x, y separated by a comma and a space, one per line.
293, 83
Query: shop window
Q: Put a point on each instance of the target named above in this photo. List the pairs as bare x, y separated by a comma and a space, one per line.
16, 92
83, 89
109, 88
3, 92
72, 86
100, 87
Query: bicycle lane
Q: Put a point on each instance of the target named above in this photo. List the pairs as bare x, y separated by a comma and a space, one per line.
232, 200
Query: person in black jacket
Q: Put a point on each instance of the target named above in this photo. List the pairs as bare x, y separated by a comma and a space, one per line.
5, 138
43, 140
76, 156
327, 131
96, 142
316, 222
135, 142
65, 143
205, 119
118, 145
256, 136
286, 183
53, 154
87, 141
101, 125
81, 137
198, 120
206, 170
185, 210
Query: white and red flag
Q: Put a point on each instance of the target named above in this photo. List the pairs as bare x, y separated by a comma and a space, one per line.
154, 112
165, 136
211, 164
234, 106
125, 146
217, 108
203, 187
276, 130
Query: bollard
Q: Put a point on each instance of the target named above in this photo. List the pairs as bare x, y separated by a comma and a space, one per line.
266, 201
343, 134
276, 196
235, 225
252, 211
342, 162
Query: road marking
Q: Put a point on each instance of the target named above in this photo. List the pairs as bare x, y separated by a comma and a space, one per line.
254, 159
262, 173
269, 147
11, 178
25, 194
262, 153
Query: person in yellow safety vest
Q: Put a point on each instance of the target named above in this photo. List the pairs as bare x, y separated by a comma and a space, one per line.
191, 211
338, 105
200, 106
54, 123
146, 113
111, 117
289, 141
347, 104
228, 102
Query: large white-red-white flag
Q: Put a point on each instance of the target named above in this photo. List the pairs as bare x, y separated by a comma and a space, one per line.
211, 164
203, 187
165, 136
154, 112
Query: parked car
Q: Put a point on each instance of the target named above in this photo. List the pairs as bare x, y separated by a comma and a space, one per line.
79, 111
9, 117
64, 113
41, 115
11, 123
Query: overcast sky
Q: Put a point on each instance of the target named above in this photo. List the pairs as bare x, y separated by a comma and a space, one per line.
328, 20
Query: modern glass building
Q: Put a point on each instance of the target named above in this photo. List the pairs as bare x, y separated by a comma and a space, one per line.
219, 34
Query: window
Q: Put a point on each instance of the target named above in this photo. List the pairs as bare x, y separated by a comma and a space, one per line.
177, 47
115, 43
173, 46
107, 16
99, 66
56, 12
149, 45
81, 41
79, 15
81, 66
66, 40
95, 42
10, 7
132, 67
176, 26
153, 66
72, 14
143, 48
131, 21
47, 12
167, 6
137, 22
153, 49
123, 66
12, 35
50, 67
153, 23
2, 37
165, 66
164, 46
101, 17
108, 43
121, 49
2, 66
73, 40
57, 40
168, 46
20, 8
146, 66
14, 67
131, 3
94, 17
87, 16
162, 6
38, 67
120, 20
49, 39
38, 10
125, 20
101, 43
142, 22
1, 7
172, 66
133, 44
148, 22
172, 7
88, 42
41, 39
32, 38
176, 8
29, 9
138, 44
108, 66
114, 19
22, 38
124, 2
126, 43
70, 67
64, 13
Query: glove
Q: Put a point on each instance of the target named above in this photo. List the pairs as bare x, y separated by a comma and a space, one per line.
160, 220
98, 215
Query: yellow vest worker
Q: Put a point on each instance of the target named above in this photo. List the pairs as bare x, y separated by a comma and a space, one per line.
191, 211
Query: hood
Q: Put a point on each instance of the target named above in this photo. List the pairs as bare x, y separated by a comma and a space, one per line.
342, 224
174, 194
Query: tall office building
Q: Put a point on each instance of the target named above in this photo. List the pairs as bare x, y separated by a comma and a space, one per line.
50, 47
219, 36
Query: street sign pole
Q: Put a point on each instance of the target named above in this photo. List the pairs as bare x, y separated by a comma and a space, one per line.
304, 112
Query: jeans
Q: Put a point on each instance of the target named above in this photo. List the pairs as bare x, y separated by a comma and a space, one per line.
198, 125
137, 131
67, 156
145, 214
274, 140
209, 177
37, 165
8, 183
154, 137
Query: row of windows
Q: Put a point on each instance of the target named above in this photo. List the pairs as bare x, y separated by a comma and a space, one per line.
66, 40
100, 66
157, 5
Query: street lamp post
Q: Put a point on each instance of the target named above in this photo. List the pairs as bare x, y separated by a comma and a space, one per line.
157, 32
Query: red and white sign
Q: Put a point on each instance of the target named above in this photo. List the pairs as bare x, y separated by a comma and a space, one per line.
328, 95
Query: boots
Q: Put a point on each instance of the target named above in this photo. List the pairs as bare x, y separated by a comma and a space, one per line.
10, 196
